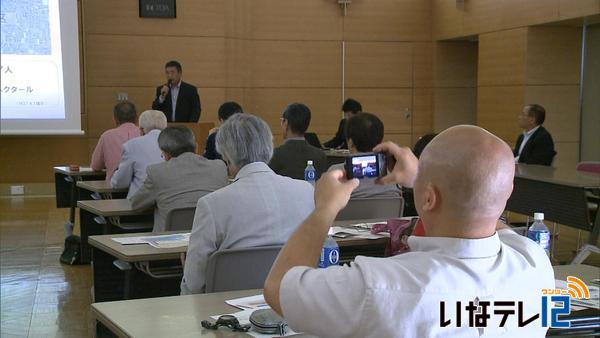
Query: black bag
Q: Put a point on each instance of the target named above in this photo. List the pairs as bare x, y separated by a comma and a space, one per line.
72, 253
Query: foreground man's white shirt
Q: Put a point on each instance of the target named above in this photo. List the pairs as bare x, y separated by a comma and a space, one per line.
400, 296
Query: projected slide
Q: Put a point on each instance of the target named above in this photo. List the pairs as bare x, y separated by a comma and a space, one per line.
31, 67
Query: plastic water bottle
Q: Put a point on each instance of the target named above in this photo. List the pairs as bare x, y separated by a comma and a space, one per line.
310, 173
539, 233
330, 254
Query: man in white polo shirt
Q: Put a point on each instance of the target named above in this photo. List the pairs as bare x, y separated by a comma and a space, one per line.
461, 184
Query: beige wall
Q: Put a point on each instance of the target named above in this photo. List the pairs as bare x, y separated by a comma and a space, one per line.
532, 65
524, 56
268, 53
455, 94
264, 54
485, 16
590, 138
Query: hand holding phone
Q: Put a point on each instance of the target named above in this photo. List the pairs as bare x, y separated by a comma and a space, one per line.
368, 165
402, 165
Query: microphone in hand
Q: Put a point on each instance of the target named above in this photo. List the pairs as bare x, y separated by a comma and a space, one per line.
165, 89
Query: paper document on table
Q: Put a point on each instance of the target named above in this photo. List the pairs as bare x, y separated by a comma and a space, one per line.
159, 241
252, 302
168, 241
244, 318
357, 233
579, 304
129, 240
363, 226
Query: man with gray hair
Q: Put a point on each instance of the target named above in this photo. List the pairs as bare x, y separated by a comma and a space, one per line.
259, 208
140, 152
181, 180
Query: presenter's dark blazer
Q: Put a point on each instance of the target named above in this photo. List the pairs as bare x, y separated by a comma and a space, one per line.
339, 140
188, 104
539, 149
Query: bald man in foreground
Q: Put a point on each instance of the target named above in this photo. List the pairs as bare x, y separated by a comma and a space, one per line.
461, 184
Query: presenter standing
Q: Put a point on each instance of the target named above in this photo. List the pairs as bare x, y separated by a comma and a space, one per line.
178, 100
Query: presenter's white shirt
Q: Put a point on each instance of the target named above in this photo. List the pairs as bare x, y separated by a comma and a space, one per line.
526, 137
174, 95
400, 296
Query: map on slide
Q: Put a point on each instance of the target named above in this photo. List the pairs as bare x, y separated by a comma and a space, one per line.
25, 27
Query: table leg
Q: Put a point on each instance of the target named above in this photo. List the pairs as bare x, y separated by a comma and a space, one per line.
88, 228
113, 283
593, 239
108, 280
127, 283
70, 225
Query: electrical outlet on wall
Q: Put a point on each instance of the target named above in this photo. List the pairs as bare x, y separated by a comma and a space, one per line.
122, 96
17, 190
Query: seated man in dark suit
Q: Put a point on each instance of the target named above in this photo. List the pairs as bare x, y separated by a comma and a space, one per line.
226, 110
177, 99
350, 108
535, 145
290, 159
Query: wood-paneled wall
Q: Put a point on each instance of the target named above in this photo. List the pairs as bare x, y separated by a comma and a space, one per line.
532, 65
451, 20
524, 56
264, 54
455, 82
268, 53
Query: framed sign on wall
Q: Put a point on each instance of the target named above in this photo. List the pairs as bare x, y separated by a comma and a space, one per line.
158, 9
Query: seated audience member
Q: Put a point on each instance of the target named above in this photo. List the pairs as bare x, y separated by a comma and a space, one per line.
365, 131
534, 145
225, 111
461, 182
350, 108
407, 193
107, 154
421, 143
181, 180
290, 159
140, 152
259, 208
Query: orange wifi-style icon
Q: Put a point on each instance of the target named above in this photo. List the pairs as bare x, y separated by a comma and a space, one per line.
577, 288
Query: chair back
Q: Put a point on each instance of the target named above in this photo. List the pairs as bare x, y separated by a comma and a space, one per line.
372, 208
239, 269
180, 219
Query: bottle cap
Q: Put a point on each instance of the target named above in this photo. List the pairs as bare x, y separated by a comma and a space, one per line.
309, 162
538, 216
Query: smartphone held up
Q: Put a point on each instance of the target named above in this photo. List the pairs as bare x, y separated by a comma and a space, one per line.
366, 165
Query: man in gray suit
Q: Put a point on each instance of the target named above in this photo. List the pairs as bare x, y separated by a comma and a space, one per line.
181, 180
290, 159
259, 208
364, 132
140, 152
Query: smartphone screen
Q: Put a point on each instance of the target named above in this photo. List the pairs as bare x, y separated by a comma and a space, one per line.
365, 166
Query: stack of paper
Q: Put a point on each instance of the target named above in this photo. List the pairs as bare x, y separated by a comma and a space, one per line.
160, 241
252, 302
357, 232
